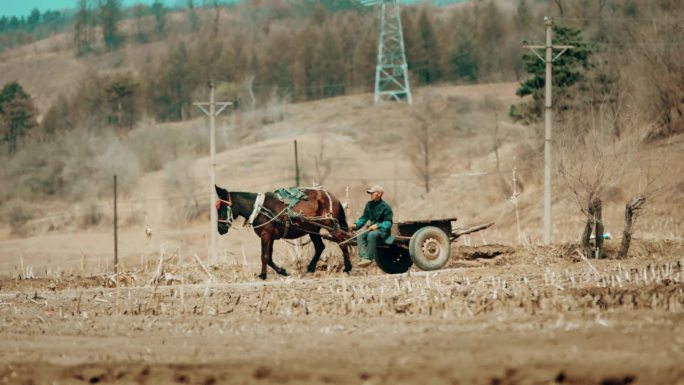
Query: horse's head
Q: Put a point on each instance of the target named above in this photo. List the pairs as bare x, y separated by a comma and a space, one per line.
224, 210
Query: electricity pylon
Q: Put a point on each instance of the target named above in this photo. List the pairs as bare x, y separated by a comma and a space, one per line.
391, 72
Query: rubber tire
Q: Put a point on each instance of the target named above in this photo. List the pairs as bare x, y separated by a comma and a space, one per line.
425, 234
393, 260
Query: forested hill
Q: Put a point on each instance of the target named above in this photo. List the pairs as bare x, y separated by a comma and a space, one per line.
303, 49
41, 21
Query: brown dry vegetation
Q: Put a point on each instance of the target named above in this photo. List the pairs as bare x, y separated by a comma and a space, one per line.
525, 316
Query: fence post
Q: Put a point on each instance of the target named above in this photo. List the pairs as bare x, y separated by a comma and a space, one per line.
116, 240
296, 165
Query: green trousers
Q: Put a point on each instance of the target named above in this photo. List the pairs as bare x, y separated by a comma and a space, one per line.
367, 243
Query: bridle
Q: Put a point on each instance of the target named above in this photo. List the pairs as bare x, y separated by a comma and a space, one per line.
229, 213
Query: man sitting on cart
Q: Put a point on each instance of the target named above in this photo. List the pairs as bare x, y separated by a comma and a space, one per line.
379, 213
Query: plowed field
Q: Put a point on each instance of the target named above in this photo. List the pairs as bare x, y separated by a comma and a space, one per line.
498, 315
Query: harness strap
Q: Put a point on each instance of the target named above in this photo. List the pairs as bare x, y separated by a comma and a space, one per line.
229, 217
287, 227
259, 209
258, 203
229, 202
329, 200
270, 214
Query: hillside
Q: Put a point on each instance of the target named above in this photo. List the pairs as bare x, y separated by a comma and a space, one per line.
363, 145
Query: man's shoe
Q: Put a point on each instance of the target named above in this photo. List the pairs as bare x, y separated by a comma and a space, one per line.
365, 262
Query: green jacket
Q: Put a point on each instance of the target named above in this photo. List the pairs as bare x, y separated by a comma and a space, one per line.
378, 213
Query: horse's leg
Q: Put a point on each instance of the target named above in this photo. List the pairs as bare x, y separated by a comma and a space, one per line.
345, 252
340, 237
266, 243
318, 246
275, 267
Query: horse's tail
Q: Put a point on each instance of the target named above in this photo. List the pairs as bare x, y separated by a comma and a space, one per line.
342, 217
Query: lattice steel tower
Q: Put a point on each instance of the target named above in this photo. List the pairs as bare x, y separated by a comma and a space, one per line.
391, 72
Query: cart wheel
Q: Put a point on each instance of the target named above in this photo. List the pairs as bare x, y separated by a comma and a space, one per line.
430, 248
393, 260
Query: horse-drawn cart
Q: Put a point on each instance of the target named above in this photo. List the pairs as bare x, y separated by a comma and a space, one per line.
288, 214
426, 243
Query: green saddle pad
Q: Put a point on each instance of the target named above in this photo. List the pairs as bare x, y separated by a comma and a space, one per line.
290, 196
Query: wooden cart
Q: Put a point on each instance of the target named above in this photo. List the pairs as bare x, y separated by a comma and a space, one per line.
425, 243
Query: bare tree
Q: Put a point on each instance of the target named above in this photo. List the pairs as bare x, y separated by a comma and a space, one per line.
594, 223
426, 143
159, 11
139, 12
632, 209
559, 4
322, 163
83, 27
110, 13
216, 22
664, 74
589, 164
493, 106
248, 85
592, 160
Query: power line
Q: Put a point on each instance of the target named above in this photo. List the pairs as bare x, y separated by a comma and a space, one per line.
620, 19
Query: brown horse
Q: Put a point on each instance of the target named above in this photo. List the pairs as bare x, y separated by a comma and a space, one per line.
274, 220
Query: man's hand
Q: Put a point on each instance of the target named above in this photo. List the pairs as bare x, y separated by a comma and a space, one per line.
352, 227
373, 227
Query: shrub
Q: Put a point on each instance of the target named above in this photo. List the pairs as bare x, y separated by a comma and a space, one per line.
156, 146
18, 213
180, 186
34, 171
90, 161
92, 216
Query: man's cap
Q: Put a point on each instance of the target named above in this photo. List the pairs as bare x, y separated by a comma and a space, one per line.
376, 188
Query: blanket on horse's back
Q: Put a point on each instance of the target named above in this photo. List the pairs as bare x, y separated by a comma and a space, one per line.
290, 196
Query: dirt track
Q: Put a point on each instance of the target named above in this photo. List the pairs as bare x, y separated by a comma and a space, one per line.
524, 317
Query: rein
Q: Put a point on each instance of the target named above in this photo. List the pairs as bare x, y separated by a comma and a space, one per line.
273, 218
259, 209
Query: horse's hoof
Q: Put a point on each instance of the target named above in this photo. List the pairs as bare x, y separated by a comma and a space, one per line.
284, 272
310, 269
262, 276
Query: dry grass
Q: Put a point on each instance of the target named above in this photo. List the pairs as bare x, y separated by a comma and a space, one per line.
535, 280
445, 295
525, 302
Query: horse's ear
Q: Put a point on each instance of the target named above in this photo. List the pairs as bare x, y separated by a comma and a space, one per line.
222, 193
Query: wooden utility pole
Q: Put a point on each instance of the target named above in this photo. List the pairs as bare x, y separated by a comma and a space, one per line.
296, 165
116, 235
548, 60
212, 113
396, 177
